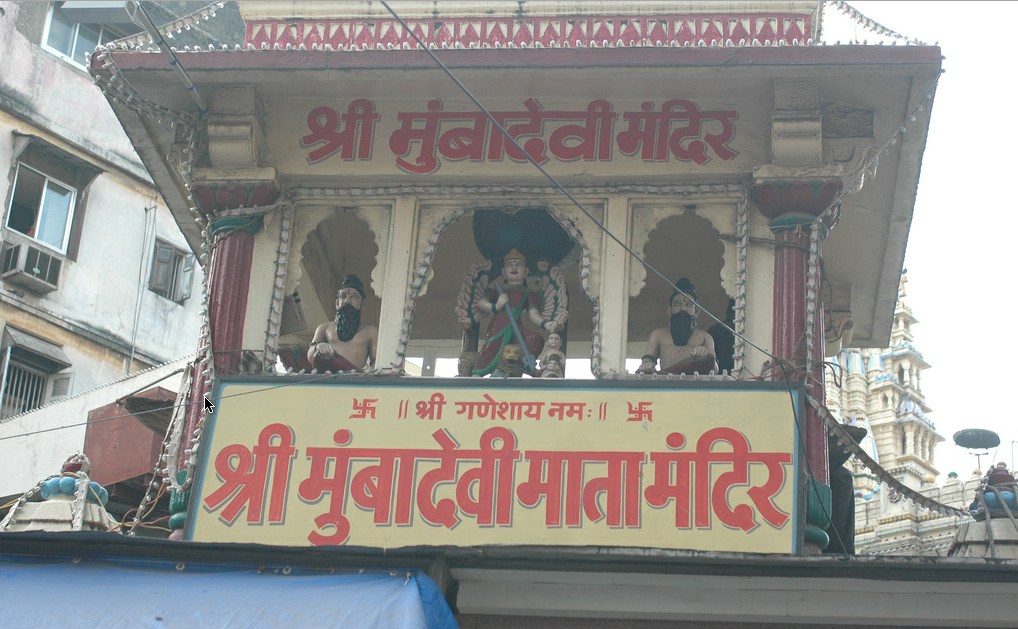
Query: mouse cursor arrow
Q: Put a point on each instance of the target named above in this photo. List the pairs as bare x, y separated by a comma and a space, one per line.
209, 406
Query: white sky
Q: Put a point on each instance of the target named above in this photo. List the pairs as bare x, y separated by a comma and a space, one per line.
959, 255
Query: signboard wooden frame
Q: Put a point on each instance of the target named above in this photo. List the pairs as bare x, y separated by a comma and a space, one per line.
396, 462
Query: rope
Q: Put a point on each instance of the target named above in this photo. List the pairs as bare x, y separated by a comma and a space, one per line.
850, 445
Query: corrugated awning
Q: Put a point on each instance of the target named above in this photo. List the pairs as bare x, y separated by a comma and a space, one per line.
50, 356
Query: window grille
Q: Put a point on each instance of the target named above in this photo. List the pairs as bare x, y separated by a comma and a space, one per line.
24, 390
32, 373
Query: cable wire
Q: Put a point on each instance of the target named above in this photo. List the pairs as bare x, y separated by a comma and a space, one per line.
779, 362
615, 238
313, 378
554, 181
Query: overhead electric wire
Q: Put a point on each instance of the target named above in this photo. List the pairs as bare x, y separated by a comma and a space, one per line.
552, 179
307, 377
779, 362
631, 252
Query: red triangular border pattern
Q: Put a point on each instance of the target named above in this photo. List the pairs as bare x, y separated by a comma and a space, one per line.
541, 32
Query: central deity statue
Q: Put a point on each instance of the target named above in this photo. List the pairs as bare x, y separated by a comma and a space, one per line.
545, 308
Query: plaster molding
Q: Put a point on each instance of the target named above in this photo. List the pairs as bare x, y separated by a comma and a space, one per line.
305, 220
721, 211
234, 128
378, 218
322, 194
771, 173
234, 141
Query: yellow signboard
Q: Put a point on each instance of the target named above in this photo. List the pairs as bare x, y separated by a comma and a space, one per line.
389, 463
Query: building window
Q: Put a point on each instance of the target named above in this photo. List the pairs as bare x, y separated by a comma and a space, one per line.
41, 208
73, 40
45, 213
74, 29
172, 272
23, 390
33, 373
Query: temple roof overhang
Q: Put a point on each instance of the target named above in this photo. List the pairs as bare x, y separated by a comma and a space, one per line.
863, 255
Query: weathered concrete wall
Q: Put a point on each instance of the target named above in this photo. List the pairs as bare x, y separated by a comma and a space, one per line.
103, 310
33, 445
103, 305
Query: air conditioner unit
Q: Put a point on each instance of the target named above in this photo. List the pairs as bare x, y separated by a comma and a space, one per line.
30, 267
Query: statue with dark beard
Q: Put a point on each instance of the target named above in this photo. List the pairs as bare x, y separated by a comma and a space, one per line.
348, 345
681, 347
348, 321
683, 325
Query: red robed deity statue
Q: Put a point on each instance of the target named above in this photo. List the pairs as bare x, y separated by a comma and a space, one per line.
543, 305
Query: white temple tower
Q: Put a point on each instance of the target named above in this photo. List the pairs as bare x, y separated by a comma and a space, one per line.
881, 390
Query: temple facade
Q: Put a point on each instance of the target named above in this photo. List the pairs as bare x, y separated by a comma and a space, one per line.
881, 390
538, 190
331, 156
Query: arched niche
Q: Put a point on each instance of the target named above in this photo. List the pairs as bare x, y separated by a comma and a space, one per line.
446, 250
680, 245
327, 245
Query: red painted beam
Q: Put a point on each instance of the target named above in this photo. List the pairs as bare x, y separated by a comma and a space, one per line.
536, 58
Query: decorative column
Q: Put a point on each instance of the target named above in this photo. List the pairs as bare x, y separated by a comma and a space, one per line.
229, 276
229, 244
227, 189
614, 291
793, 208
399, 269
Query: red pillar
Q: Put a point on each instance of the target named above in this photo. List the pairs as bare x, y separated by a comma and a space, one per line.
791, 268
793, 208
229, 270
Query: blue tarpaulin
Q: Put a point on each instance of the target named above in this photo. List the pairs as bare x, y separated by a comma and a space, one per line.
126, 594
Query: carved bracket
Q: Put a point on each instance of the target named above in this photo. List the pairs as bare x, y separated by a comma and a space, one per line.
219, 197
776, 200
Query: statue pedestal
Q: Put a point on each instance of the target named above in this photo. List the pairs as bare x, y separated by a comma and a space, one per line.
57, 514
972, 540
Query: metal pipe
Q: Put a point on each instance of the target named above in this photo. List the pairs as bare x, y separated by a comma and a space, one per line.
140, 17
141, 283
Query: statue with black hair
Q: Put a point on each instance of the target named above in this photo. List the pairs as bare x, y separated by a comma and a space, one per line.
346, 344
681, 347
